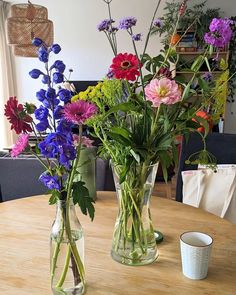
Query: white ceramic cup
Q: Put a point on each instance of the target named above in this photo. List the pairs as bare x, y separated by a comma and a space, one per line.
195, 254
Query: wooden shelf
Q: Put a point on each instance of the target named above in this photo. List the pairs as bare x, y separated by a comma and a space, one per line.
199, 52
202, 72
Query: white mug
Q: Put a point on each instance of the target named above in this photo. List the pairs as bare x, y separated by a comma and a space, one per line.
195, 254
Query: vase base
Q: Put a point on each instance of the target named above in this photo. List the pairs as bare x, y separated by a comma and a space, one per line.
148, 259
78, 290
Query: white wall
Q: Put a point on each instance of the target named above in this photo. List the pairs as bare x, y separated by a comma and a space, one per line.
84, 48
87, 51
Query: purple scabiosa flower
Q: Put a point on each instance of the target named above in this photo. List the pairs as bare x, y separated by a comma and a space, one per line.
40, 95
41, 113
113, 29
57, 77
220, 32
37, 42
137, 37
35, 73
158, 23
78, 112
57, 114
46, 79
56, 48
64, 95
42, 125
127, 23
51, 182
43, 54
105, 25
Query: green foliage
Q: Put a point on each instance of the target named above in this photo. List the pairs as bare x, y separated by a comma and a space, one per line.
81, 197
193, 15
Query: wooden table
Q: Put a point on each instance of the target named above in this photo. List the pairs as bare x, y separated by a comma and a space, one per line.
24, 247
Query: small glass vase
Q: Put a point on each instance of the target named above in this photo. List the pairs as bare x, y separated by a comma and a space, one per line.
67, 252
133, 239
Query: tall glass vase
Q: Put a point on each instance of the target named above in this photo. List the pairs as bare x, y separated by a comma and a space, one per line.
133, 239
67, 252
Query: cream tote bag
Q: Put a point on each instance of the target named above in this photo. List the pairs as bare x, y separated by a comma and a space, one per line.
212, 191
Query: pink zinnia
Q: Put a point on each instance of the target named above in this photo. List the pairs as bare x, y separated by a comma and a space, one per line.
21, 144
87, 142
164, 91
78, 112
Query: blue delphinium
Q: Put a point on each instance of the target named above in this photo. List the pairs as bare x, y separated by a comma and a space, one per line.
51, 182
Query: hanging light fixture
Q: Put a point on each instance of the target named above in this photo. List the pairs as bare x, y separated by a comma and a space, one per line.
28, 21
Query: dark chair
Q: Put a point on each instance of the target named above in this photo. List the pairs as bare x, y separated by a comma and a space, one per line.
83, 85
19, 178
221, 145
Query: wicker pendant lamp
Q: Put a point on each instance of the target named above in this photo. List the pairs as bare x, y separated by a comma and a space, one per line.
28, 21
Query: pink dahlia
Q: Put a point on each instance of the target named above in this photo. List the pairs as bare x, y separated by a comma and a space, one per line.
21, 144
87, 142
78, 112
125, 66
162, 91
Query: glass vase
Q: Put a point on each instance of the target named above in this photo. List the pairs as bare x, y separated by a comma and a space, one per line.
67, 252
133, 238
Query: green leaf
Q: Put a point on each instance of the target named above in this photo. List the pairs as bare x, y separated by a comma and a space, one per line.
55, 195
197, 63
121, 131
81, 196
186, 91
207, 63
124, 107
203, 84
135, 155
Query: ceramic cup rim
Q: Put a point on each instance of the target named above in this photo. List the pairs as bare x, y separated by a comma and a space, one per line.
199, 232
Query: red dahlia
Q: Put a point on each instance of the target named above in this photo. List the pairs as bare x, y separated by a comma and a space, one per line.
17, 116
125, 66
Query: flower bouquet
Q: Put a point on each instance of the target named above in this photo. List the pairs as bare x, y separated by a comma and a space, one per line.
58, 150
142, 107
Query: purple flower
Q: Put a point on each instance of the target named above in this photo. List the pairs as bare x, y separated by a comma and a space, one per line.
35, 73
207, 76
220, 32
42, 125
158, 23
48, 149
41, 94
110, 74
127, 23
64, 126
56, 48
57, 114
59, 66
41, 113
37, 42
105, 25
113, 29
137, 37
43, 54
57, 77
50, 93
67, 154
46, 79
64, 95
51, 182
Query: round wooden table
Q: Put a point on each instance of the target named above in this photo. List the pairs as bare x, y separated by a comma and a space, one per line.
24, 246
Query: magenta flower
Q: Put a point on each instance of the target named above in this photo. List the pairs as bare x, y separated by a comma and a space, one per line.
164, 91
220, 32
21, 144
78, 112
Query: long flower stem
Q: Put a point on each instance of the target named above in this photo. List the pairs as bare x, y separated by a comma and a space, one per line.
65, 269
